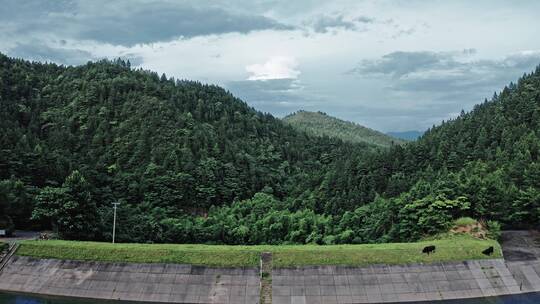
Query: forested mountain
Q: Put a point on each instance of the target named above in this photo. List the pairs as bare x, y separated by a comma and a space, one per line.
321, 124
164, 148
483, 164
191, 163
406, 135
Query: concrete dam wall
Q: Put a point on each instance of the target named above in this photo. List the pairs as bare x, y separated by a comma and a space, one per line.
132, 282
387, 284
309, 285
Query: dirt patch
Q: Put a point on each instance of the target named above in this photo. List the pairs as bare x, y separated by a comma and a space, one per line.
478, 230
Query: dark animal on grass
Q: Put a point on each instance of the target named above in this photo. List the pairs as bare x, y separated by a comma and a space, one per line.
488, 251
428, 249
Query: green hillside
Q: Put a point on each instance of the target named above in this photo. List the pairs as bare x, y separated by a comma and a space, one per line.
484, 164
321, 124
190, 163
75, 139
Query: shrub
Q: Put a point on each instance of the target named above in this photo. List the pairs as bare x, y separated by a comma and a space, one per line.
494, 230
464, 221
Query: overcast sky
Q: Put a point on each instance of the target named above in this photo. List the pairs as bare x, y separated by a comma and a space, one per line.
388, 65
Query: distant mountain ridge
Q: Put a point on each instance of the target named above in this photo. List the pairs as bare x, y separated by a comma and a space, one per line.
406, 135
322, 124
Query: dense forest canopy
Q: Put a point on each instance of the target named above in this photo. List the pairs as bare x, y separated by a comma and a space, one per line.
191, 163
321, 124
406, 135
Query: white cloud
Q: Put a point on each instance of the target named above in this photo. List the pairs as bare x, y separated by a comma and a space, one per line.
278, 67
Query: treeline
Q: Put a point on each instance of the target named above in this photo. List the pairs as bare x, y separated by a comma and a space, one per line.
190, 163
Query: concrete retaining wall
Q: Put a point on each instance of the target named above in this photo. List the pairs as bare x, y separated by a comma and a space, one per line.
381, 283
309, 285
133, 282
526, 274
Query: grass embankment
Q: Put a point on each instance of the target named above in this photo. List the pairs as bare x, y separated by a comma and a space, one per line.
211, 255
452, 248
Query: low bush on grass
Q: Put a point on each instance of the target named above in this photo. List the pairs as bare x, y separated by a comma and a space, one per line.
465, 221
494, 230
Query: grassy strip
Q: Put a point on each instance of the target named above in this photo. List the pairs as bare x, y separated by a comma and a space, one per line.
454, 248
3, 246
224, 256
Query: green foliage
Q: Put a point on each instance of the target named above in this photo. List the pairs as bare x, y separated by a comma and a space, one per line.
260, 220
70, 208
465, 221
320, 124
167, 149
16, 201
494, 230
191, 163
428, 215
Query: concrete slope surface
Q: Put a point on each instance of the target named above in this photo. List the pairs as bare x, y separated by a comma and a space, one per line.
382, 283
132, 282
519, 273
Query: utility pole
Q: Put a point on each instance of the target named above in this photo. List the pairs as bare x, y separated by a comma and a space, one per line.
114, 221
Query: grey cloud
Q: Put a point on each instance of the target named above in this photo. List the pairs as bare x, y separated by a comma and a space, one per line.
469, 51
444, 71
272, 90
523, 62
404, 32
127, 22
398, 64
326, 23
364, 19
39, 51
15, 10
278, 96
393, 118
438, 84
270, 85
134, 59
